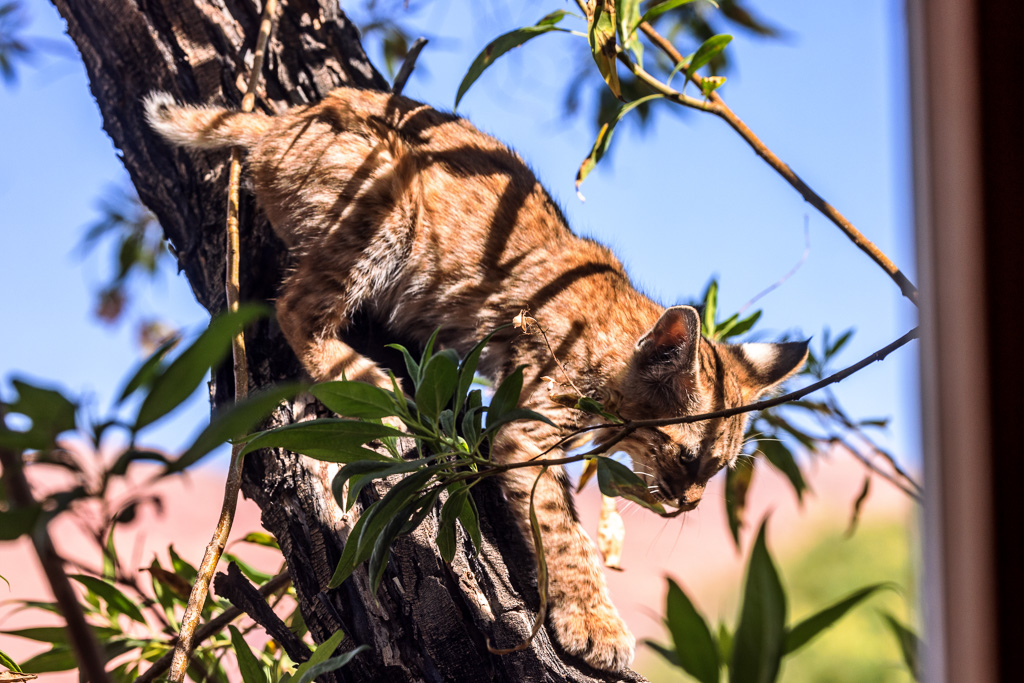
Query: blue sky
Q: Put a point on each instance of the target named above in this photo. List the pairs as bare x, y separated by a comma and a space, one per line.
680, 202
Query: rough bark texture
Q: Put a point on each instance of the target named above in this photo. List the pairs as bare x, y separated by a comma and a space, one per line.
432, 620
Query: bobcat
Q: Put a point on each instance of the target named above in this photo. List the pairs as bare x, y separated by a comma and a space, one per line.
417, 218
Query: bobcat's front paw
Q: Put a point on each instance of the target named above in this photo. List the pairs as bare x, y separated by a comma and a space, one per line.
596, 633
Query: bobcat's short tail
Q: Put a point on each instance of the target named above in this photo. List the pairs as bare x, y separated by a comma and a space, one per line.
203, 127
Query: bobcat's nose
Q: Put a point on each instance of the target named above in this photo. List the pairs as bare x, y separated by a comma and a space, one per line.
691, 497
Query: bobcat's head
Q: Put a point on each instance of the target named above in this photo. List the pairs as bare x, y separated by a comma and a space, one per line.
675, 372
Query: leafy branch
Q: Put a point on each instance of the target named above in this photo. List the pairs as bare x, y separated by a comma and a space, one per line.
613, 29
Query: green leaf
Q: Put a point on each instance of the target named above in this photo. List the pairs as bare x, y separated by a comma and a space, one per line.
332, 664
628, 15
413, 509
411, 366
55, 635
502, 44
116, 600
470, 520
187, 371
328, 439
372, 521
248, 665
51, 414
450, 511
654, 12
148, 370
737, 483
250, 572
760, 634
812, 626
696, 649
604, 139
724, 642
359, 474
321, 654
58, 658
710, 84
357, 399
467, 370
710, 310
18, 521
234, 422
439, 380
910, 644
601, 36
782, 459
668, 653
708, 50
472, 421
506, 396
858, 505
6, 661
261, 538
741, 326
615, 479
514, 415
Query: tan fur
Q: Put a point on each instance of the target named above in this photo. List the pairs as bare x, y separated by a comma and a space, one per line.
421, 220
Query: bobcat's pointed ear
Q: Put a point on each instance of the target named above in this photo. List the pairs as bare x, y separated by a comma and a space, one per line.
769, 364
675, 337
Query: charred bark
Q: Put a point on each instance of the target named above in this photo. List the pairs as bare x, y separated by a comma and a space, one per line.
430, 621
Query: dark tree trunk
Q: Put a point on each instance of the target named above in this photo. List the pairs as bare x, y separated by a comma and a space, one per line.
432, 620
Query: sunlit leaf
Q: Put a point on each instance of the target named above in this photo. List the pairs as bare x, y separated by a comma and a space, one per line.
601, 35
708, 50
782, 459
615, 479
653, 13
506, 396
502, 44
438, 381
116, 600
604, 139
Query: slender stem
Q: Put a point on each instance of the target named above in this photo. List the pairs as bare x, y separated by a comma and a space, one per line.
190, 620
213, 626
87, 649
630, 426
718, 107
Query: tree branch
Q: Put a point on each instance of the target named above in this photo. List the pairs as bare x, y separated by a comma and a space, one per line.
718, 107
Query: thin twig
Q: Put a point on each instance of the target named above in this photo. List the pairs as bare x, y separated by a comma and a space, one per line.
86, 648
628, 427
782, 280
190, 620
716, 105
407, 66
213, 626
889, 477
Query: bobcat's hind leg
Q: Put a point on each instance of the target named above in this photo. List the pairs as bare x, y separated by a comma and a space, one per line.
311, 310
580, 609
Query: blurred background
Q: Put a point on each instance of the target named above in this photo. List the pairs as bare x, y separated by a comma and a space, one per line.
89, 289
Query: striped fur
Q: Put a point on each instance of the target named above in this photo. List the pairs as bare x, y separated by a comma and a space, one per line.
416, 217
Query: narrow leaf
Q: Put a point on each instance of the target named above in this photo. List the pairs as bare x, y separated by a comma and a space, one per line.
696, 649
910, 645
654, 12
506, 397
604, 139
149, 370
115, 599
615, 479
812, 626
357, 399
761, 631
329, 439
184, 374
737, 483
782, 459
502, 44
332, 664
248, 665
708, 50
438, 381
601, 36
236, 421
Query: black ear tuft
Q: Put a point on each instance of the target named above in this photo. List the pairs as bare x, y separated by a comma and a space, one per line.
769, 364
675, 337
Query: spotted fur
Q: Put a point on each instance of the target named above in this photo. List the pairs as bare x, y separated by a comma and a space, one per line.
421, 220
